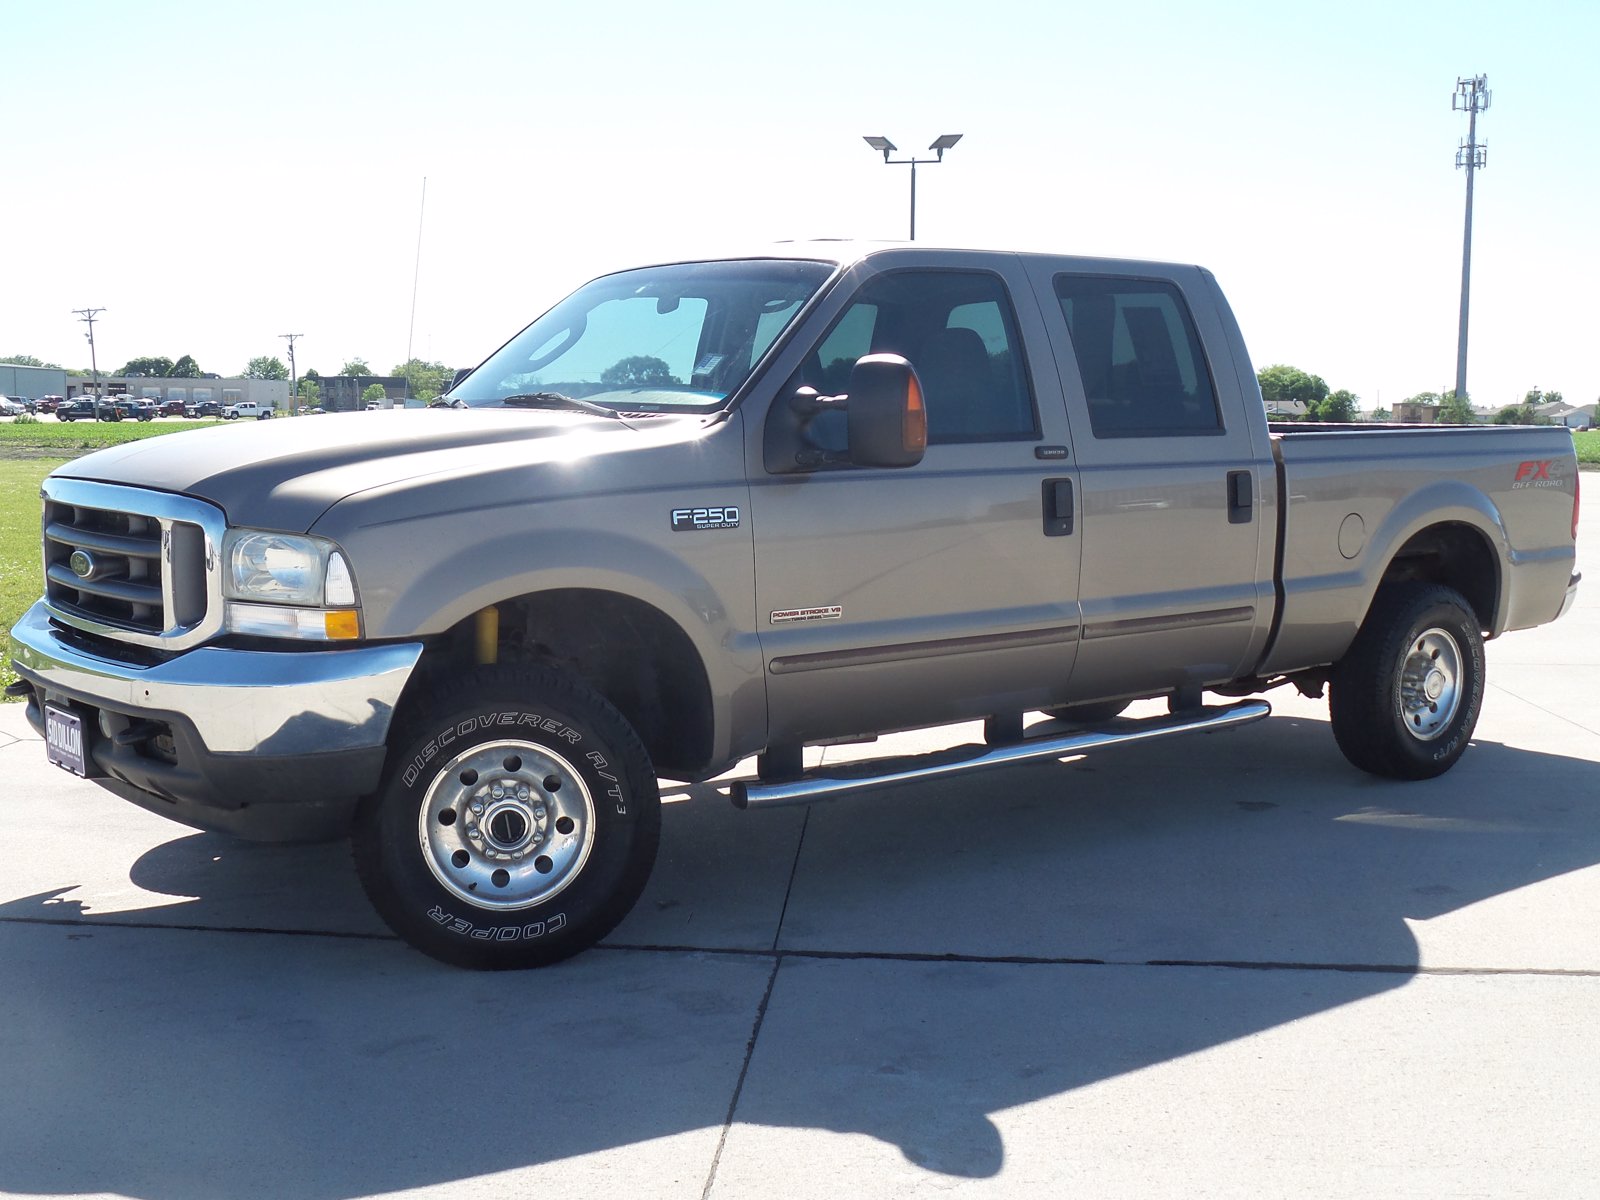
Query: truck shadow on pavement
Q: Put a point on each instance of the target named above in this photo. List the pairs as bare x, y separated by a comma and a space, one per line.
947, 952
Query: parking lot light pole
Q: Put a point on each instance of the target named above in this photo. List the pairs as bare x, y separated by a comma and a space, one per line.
940, 144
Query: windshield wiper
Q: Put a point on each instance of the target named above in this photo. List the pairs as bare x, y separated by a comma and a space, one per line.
557, 400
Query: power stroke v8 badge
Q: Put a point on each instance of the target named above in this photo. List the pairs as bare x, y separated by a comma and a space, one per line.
690, 520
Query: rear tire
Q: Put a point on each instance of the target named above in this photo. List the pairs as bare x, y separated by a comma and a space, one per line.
1406, 696
517, 822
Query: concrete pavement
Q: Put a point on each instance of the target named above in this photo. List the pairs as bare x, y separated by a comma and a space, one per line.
1225, 966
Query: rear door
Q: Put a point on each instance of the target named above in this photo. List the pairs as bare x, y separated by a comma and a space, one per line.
1176, 574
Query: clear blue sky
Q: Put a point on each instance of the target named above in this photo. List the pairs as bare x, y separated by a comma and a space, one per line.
215, 175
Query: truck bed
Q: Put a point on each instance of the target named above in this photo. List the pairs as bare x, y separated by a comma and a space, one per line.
1354, 497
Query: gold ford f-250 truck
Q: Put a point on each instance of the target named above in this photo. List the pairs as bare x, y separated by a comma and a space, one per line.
704, 510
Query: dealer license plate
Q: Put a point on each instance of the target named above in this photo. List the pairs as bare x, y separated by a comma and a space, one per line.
63, 739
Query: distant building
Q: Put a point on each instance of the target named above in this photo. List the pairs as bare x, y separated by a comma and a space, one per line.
342, 393
1412, 412
1572, 417
274, 392
32, 382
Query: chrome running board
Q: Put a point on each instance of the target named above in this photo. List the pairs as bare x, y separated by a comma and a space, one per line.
957, 760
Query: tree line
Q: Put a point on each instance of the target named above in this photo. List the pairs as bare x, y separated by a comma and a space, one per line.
1283, 385
426, 380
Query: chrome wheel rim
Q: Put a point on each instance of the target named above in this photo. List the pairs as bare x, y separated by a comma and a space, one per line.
506, 825
1430, 684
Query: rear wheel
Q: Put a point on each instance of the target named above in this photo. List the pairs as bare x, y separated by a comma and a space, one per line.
1405, 698
517, 823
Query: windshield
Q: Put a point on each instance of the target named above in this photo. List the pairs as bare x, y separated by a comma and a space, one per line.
677, 338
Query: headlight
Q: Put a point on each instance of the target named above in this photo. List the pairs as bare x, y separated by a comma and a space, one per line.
277, 568
288, 585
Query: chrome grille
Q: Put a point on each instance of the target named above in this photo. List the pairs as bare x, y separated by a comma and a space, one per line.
133, 565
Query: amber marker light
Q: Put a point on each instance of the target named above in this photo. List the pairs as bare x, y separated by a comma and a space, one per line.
342, 625
914, 431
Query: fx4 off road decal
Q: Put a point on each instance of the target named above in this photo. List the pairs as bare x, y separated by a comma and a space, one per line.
1537, 473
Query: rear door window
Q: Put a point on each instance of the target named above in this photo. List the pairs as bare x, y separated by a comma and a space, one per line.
1143, 372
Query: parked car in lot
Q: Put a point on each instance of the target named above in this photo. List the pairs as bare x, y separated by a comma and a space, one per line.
80, 408
172, 408
203, 408
129, 408
247, 408
10, 407
48, 404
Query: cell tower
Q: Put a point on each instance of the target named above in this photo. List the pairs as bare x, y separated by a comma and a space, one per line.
1471, 97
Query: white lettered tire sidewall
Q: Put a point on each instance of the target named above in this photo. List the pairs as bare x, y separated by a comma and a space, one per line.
557, 869
1369, 705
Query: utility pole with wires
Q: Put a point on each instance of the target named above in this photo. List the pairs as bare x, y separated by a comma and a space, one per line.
88, 315
294, 380
1471, 97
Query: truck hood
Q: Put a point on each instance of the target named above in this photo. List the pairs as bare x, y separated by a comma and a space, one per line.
284, 474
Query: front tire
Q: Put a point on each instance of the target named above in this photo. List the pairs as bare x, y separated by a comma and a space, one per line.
517, 822
1406, 696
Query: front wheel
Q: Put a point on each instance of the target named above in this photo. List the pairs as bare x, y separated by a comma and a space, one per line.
1406, 696
517, 822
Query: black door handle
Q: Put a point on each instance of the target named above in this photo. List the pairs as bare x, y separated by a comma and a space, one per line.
1057, 507
1241, 498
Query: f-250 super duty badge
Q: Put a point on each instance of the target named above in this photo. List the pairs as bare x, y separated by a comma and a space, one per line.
687, 520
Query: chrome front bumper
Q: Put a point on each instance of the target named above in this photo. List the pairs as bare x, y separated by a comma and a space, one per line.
275, 703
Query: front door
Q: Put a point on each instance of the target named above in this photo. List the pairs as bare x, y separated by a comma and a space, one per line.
937, 592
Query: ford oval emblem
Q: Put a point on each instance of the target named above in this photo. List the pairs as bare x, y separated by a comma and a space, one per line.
82, 564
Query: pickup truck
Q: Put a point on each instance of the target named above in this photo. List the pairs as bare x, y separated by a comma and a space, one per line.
700, 511
84, 408
247, 408
126, 408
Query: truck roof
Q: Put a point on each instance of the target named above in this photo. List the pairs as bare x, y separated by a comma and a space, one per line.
845, 251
